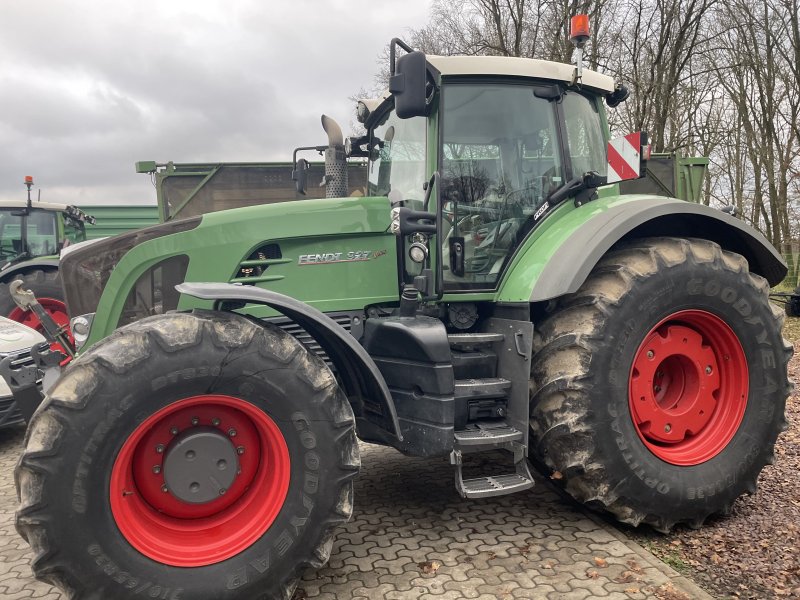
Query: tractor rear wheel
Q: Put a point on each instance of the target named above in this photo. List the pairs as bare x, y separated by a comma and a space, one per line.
201, 456
46, 285
659, 387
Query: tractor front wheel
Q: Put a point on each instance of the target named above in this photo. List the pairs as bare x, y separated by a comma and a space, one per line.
659, 386
187, 456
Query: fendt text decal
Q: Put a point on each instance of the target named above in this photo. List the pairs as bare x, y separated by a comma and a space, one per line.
327, 258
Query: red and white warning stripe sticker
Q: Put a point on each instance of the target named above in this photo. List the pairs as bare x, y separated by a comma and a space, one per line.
623, 157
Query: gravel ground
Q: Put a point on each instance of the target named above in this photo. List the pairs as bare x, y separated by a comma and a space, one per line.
755, 552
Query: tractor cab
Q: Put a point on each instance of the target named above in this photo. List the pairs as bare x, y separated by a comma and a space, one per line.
506, 144
508, 139
33, 230
42, 230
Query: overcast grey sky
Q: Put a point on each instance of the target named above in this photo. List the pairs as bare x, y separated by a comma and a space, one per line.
88, 87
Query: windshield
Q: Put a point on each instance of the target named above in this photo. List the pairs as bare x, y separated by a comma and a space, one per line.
501, 158
39, 227
397, 159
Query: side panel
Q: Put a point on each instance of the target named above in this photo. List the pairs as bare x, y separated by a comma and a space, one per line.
316, 227
559, 256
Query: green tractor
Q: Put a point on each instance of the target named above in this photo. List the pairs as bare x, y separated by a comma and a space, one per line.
491, 291
31, 237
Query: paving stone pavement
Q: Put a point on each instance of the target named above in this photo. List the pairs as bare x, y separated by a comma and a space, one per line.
413, 537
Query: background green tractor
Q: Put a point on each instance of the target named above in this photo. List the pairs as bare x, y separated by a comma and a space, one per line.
490, 292
31, 237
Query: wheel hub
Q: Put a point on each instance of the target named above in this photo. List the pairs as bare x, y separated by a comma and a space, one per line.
200, 465
674, 380
688, 387
200, 480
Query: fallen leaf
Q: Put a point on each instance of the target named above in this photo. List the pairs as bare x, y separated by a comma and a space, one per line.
626, 577
600, 562
631, 590
634, 566
556, 475
430, 566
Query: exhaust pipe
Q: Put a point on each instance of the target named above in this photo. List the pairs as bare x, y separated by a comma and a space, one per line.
336, 185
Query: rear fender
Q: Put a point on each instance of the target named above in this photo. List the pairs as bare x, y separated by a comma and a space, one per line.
356, 368
559, 261
38, 263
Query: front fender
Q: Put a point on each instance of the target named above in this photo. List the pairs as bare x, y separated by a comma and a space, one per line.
359, 372
560, 258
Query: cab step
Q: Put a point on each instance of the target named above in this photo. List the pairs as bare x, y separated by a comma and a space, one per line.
491, 485
490, 387
465, 341
487, 434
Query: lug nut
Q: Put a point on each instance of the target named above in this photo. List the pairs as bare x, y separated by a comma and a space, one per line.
215, 422
173, 430
156, 469
240, 450
195, 421
222, 491
232, 432
164, 488
708, 370
667, 428
650, 354
160, 449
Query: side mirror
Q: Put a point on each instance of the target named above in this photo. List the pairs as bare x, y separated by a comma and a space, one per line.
618, 96
300, 175
408, 81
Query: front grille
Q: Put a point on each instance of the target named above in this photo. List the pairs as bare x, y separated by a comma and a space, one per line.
292, 328
9, 413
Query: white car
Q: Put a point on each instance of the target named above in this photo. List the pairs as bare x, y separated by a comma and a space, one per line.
16, 339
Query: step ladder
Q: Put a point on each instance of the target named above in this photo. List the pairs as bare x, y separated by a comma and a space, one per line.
511, 342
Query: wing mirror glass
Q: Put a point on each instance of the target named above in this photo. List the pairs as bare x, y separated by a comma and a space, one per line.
300, 175
408, 81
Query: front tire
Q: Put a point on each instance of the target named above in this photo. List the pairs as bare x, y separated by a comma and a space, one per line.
187, 456
46, 286
660, 386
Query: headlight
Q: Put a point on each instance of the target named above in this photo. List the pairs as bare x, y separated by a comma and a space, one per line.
81, 326
418, 252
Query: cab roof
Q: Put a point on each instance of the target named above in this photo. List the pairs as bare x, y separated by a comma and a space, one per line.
40, 205
518, 67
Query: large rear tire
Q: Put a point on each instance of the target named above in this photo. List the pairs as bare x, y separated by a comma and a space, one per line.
659, 387
187, 456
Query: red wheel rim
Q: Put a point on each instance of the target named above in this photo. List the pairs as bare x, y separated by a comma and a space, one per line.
55, 308
169, 530
688, 387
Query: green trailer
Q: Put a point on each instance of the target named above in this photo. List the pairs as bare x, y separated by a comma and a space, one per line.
113, 219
